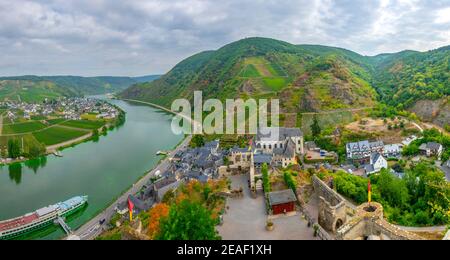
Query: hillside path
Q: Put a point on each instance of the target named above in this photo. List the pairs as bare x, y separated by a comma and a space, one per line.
336, 111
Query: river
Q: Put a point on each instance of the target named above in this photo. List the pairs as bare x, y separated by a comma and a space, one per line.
102, 170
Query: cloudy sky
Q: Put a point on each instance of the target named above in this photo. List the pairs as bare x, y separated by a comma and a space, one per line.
140, 37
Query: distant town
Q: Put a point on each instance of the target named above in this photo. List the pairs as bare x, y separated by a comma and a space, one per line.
31, 129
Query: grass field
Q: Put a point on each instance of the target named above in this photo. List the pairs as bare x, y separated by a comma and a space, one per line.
85, 124
23, 127
56, 134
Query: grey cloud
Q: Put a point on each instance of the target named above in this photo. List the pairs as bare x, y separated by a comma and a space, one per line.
114, 37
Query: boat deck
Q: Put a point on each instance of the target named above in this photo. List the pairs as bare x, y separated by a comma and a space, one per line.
17, 222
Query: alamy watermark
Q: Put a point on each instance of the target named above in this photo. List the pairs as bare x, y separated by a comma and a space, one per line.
237, 116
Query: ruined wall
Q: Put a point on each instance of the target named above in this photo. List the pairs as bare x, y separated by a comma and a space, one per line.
367, 224
332, 208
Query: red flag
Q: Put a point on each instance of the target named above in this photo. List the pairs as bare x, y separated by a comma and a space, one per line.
130, 208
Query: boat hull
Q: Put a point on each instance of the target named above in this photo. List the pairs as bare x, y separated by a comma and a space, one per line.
32, 227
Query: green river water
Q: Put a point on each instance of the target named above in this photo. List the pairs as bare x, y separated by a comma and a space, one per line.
102, 170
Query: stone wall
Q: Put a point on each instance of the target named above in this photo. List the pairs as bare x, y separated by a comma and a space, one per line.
332, 207
369, 223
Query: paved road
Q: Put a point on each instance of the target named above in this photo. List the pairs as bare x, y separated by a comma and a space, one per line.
443, 168
418, 126
92, 229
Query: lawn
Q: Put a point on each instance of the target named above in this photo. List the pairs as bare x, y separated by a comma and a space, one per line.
22, 127
56, 134
85, 124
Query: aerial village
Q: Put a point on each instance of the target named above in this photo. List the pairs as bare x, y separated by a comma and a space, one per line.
28, 129
280, 186
68, 108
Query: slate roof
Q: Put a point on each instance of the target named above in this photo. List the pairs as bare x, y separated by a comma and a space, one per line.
269, 133
434, 146
369, 168
288, 151
262, 158
374, 157
139, 204
363, 145
163, 182
280, 197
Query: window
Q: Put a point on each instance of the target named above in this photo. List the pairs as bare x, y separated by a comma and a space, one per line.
275, 146
270, 146
264, 146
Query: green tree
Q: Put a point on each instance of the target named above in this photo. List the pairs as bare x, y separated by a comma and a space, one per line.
188, 221
197, 141
13, 148
315, 127
35, 151
265, 177
393, 190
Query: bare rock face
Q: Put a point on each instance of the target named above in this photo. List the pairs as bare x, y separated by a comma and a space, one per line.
434, 111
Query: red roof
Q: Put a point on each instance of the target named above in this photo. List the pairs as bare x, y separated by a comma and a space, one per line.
17, 222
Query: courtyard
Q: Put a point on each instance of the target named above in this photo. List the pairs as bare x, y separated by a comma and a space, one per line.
245, 219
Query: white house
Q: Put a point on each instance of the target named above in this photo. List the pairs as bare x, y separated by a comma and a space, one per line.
431, 148
392, 150
377, 162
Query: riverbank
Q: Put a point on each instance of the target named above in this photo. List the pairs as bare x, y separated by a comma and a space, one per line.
160, 107
102, 169
93, 228
89, 136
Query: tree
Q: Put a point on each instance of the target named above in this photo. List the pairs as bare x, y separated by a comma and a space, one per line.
392, 189
188, 221
265, 177
35, 151
315, 127
197, 141
13, 148
156, 214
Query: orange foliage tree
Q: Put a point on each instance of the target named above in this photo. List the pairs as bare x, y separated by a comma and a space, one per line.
156, 213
